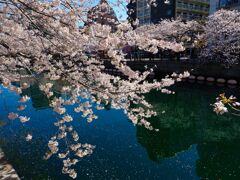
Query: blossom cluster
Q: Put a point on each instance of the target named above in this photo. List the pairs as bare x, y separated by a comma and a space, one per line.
173, 30
220, 107
23, 100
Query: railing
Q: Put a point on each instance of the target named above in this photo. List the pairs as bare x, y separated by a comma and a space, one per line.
194, 7
202, 1
166, 55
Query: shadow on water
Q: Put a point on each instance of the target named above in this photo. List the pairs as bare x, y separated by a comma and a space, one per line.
188, 119
39, 100
192, 141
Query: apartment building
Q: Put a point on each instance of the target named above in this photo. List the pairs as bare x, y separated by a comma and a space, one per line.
214, 5
229, 4
167, 9
192, 9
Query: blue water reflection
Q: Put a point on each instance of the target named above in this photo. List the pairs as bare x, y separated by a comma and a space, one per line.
192, 143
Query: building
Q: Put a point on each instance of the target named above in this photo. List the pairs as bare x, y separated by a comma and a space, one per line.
149, 14
214, 5
225, 4
167, 9
192, 9
229, 4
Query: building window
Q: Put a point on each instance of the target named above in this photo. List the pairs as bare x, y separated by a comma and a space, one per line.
169, 12
143, 12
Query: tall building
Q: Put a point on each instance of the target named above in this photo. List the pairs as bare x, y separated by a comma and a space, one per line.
167, 9
139, 9
229, 4
192, 9
214, 5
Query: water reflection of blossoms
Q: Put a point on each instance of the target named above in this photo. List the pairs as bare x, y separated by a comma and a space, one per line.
83, 103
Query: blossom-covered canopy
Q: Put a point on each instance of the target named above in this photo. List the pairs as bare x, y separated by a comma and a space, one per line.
103, 14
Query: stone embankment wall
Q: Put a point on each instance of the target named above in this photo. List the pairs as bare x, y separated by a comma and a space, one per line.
208, 72
6, 170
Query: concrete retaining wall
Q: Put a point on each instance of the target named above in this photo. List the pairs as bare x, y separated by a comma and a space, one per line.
201, 71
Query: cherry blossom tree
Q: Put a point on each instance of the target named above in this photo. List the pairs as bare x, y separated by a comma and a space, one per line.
221, 43
172, 30
222, 37
47, 38
179, 31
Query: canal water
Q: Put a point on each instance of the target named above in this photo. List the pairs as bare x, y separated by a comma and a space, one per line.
192, 142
